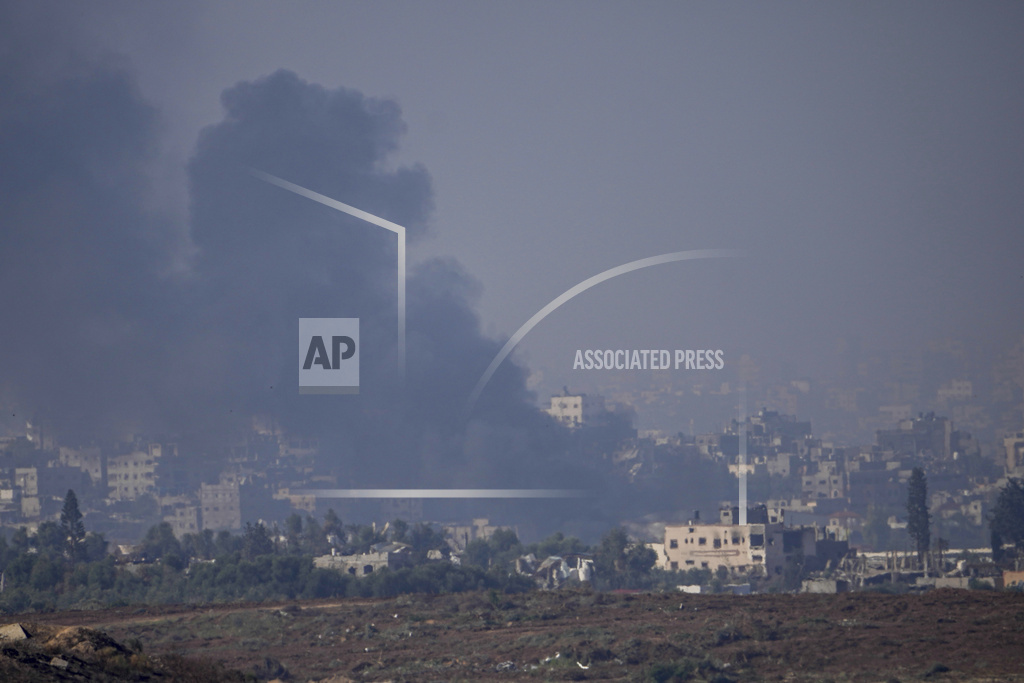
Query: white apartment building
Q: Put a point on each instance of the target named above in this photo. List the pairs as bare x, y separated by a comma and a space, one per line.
576, 410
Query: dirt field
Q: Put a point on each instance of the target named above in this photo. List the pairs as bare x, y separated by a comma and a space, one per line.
945, 635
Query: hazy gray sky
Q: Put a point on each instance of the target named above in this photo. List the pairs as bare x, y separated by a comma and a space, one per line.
869, 156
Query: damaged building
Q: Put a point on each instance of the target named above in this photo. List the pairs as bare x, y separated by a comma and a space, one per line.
555, 571
762, 545
381, 556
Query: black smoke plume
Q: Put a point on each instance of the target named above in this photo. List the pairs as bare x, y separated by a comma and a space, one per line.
109, 333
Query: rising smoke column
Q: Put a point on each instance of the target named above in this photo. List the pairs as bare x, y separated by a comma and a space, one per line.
84, 267
121, 321
267, 257
110, 341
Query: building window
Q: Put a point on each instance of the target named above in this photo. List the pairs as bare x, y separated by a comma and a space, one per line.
673, 543
718, 543
702, 541
675, 565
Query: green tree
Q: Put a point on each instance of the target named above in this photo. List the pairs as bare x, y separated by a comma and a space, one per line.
293, 531
619, 563
478, 553
640, 559
257, 541
314, 540
225, 543
200, 546
423, 538
610, 556
161, 544
50, 539
93, 548
363, 537
46, 573
1007, 519
399, 528
71, 525
20, 541
558, 544
332, 524
503, 540
918, 517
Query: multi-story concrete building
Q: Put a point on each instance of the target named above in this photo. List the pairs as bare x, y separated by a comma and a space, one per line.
184, 519
89, 460
304, 502
26, 481
779, 465
221, 505
877, 483
758, 547
134, 474
828, 482
10, 505
576, 410
925, 434
1014, 445
956, 390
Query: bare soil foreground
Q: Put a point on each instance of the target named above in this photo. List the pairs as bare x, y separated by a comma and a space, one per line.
943, 635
